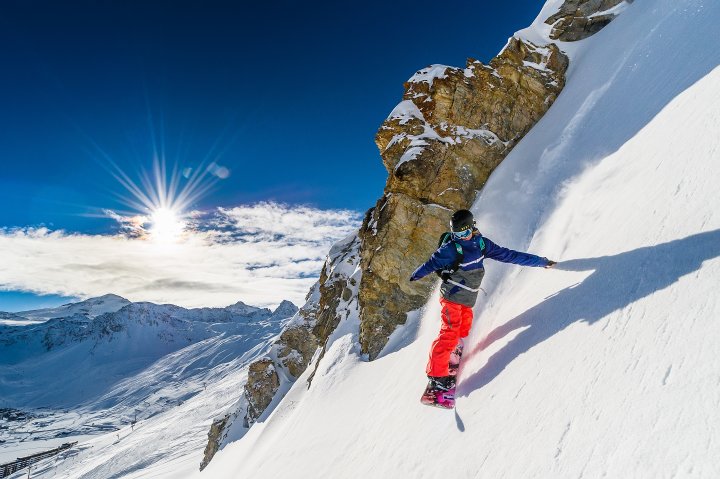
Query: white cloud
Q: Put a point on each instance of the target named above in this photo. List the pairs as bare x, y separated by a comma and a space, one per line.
259, 254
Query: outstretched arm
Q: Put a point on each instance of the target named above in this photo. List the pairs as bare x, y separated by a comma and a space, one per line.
506, 255
440, 259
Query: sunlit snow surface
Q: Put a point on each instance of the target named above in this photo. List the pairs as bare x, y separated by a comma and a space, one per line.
605, 367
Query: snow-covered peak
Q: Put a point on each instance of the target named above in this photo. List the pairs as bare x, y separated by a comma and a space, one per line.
89, 308
101, 319
285, 309
242, 308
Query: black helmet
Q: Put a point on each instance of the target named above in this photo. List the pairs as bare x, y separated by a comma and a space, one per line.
462, 220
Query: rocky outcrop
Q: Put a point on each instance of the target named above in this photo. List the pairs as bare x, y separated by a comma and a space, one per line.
579, 19
263, 382
326, 305
439, 145
297, 344
217, 433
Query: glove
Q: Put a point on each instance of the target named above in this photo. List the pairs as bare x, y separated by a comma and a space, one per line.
550, 264
445, 275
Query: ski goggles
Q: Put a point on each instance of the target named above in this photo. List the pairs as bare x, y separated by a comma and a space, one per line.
463, 235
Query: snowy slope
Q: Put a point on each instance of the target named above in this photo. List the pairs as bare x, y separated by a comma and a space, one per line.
604, 367
80, 359
84, 374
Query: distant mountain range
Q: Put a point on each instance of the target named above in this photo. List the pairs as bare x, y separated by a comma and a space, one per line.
100, 364
74, 353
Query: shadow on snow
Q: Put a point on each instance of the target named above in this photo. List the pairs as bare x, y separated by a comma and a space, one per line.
616, 282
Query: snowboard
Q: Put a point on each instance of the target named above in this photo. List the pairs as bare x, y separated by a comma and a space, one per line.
444, 398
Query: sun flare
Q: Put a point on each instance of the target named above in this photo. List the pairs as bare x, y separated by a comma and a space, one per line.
166, 225
162, 200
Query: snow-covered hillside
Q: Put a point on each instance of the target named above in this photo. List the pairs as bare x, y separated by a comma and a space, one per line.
105, 363
606, 366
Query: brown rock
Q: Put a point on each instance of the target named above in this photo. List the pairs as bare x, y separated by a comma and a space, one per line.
215, 437
297, 345
579, 19
262, 384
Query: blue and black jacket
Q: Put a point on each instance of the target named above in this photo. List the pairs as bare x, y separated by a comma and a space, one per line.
463, 285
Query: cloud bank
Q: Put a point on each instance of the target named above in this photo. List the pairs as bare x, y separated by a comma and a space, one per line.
259, 254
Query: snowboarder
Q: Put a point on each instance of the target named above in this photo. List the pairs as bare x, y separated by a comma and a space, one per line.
459, 262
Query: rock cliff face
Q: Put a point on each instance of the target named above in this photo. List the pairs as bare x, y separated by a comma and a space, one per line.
327, 303
439, 145
217, 433
263, 383
579, 19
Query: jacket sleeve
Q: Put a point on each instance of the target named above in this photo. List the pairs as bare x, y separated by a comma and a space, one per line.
506, 255
443, 257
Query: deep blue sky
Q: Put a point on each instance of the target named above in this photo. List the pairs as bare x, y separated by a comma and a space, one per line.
292, 93
289, 94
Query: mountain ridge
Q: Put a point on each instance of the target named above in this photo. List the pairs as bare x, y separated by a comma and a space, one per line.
85, 374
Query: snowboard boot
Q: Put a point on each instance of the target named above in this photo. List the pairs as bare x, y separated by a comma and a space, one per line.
444, 383
455, 356
440, 392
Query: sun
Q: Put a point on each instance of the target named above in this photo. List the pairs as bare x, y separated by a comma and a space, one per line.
166, 225
163, 199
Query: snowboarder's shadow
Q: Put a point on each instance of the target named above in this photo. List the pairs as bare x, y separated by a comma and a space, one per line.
616, 282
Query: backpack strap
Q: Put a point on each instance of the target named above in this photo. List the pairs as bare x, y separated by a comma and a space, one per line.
444, 239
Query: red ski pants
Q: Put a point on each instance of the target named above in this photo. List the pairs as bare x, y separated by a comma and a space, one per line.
456, 323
